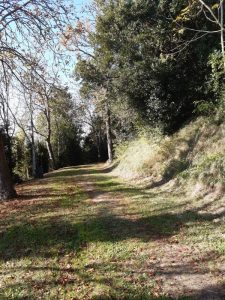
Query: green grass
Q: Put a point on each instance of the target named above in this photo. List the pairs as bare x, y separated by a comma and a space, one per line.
117, 241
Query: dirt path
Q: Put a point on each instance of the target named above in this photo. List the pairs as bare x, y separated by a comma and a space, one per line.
179, 269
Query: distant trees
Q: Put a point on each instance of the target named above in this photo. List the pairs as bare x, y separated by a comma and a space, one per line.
96, 86
57, 125
90, 115
49, 123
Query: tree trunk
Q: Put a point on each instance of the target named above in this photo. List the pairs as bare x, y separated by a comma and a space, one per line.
9, 152
108, 134
99, 147
34, 166
222, 31
50, 154
6, 187
34, 174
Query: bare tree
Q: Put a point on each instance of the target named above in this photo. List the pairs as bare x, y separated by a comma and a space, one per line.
26, 26
44, 92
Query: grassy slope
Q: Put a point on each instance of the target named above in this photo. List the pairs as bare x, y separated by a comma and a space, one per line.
82, 234
193, 157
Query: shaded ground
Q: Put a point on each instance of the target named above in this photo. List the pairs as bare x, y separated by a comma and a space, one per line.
81, 234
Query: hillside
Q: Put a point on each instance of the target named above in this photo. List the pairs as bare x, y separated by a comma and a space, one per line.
191, 159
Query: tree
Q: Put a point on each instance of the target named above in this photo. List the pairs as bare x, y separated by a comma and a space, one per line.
213, 14
90, 114
7, 122
56, 125
35, 23
66, 132
136, 58
6, 189
44, 92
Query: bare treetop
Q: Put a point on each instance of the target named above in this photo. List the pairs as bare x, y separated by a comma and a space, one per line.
25, 23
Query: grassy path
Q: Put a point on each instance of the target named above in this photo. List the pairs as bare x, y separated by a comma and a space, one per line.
81, 234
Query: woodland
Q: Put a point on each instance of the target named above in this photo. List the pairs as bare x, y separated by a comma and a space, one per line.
112, 160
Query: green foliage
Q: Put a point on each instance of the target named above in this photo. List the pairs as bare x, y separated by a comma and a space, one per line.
210, 169
22, 156
65, 131
204, 108
155, 71
216, 80
219, 114
140, 60
21, 153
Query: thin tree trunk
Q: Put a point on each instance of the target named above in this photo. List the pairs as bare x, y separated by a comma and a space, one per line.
34, 173
50, 153
48, 139
6, 187
9, 152
108, 134
34, 165
58, 148
58, 145
98, 148
222, 31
